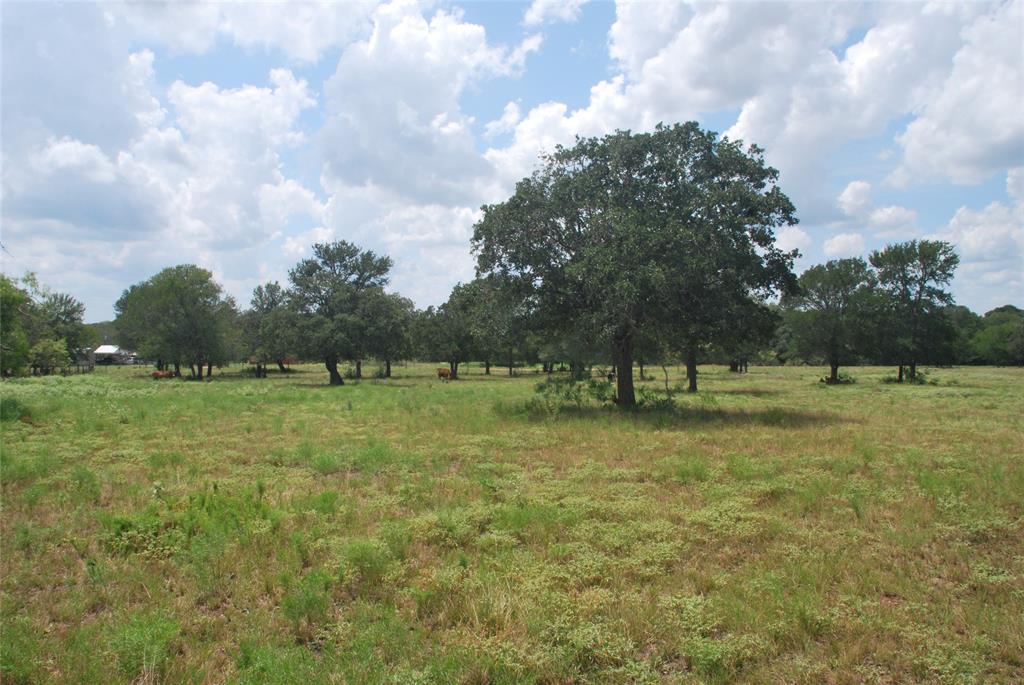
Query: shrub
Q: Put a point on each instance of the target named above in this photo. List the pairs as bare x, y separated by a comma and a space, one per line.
369, 560
48, 355
142, 646
562, 390
265, 665
12, 409
308, 601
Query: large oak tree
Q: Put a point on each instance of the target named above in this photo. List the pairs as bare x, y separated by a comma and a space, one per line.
327, 290
663, 232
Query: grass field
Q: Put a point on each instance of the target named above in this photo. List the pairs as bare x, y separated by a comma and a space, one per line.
770, 529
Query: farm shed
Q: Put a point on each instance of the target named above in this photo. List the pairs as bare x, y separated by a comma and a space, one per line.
112, 354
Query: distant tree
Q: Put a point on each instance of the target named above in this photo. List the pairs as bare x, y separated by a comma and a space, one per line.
965, 325
659, 232
446, 333
49, 315
102, 333
179, 316
498, 321
14, 346
747, 333
64, 316
46, 356
386, 320
269, 328
327, 289
912, 276
999, 339
830, 315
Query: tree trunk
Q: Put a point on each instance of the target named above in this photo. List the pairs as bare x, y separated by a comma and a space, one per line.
913, 371
899, 376
579, 370
691, 370
453, 368
833, 376
387, 368
192, 370
332, 368
550, 367
209, 370
177, 369
746, 366
511, 364
623, 351
487, 368
734, 366
359, 368
159, 364
641, 369
281, 367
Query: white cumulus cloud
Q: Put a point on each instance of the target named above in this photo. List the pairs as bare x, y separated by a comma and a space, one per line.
548, 11
855, 200
845, 245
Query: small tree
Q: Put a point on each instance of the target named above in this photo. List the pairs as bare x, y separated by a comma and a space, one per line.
829, 316
386, 320
48, 355
498, 320
269, 328
48, 315
446, 333
911, 276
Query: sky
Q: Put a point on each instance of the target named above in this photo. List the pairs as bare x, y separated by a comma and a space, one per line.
136, 136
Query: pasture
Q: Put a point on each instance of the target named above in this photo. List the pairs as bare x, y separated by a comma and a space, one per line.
768, 529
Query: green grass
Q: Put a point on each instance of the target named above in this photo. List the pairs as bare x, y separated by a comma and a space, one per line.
769, 529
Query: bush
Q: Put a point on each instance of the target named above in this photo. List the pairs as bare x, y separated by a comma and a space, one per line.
12, 409
651, 399
309, 601
561, 390
48, 355
368, 561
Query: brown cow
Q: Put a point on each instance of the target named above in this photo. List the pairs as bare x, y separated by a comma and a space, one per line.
162, 374
444, 374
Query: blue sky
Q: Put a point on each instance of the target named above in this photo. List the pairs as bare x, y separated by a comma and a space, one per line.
235, 135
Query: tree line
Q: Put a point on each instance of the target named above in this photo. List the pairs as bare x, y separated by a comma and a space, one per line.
621, 251
40, 330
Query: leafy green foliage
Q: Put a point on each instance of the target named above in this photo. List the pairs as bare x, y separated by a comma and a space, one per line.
911, 275
49, 355
12, 409
663, 233
13, 339
831, 316
179, 316
327, 291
